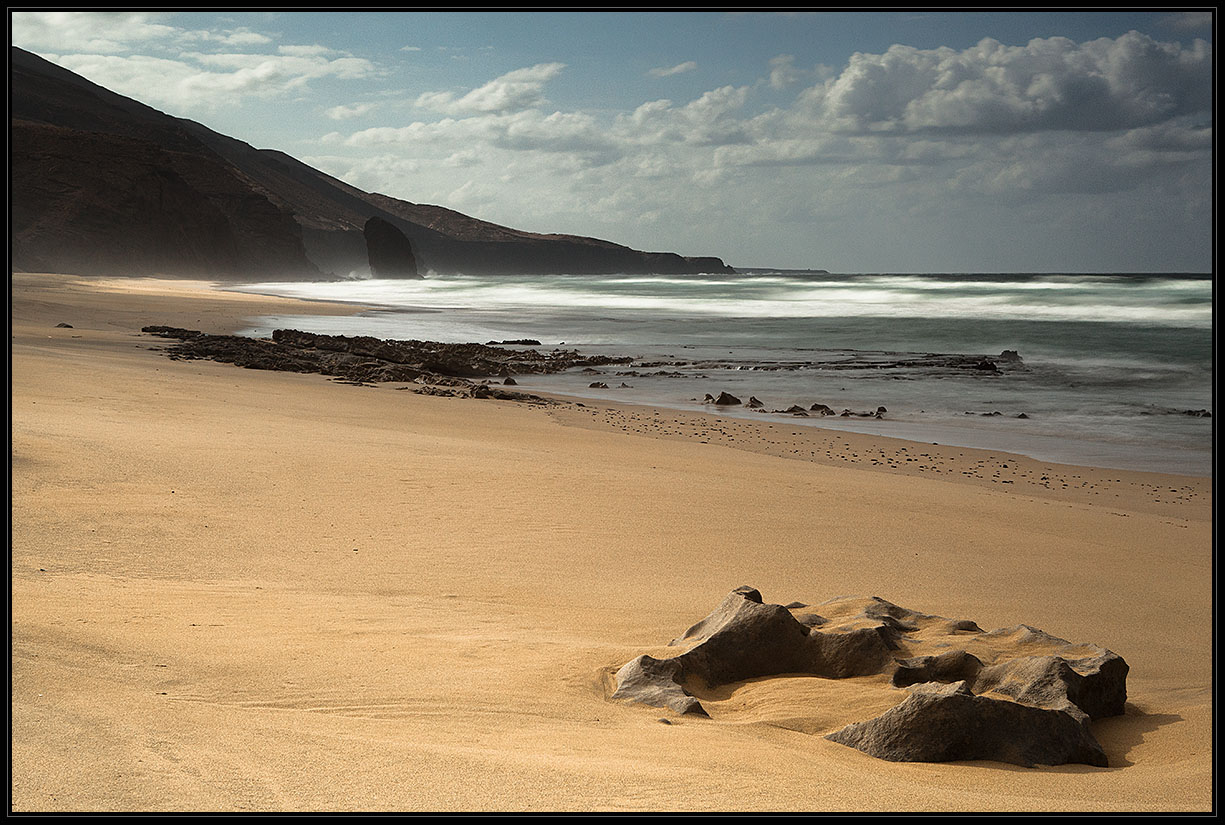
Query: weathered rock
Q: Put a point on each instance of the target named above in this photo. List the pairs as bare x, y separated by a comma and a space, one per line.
63, 325
391, 254
726, 399
946, 723
754, 403
598, 385
1014, 695
822, 409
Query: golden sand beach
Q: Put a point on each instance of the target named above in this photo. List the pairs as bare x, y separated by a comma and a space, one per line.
237, 590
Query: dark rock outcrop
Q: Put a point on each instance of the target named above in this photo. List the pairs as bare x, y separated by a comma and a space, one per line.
367, 359
1014, 695
390, 253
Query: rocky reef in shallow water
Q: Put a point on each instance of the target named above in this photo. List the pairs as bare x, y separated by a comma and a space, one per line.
1014, 695
362, 359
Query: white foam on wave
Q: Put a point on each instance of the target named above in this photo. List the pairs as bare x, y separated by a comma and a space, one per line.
1155, 302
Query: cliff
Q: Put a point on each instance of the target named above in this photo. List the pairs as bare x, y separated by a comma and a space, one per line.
103, 184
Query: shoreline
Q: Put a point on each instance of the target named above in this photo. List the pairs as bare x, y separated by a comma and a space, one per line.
1149, 437
1038, 447
252, 590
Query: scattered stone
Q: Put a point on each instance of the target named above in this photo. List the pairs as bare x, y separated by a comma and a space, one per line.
1014, 695
1198, 413
726, 400
754, 403
510, 382
598, 385
62, 325
822, 409
1022, 415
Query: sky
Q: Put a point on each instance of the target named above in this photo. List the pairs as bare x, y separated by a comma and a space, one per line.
853, 141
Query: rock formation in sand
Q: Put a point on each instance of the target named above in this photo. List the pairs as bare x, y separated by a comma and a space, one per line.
1014, 695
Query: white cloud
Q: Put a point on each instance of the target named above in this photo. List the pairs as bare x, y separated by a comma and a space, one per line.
95, 32
142, 55
514, 91
783, 72
680, 68
208, 81
235, 37
348, 112
306, 51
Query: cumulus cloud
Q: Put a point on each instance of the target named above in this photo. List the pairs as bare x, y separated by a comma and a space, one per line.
680, 68
709, 120
514, 91
1048, 84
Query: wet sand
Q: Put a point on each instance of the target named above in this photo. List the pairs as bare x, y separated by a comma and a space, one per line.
241, 590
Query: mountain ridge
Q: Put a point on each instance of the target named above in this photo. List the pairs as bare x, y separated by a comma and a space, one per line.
104, 184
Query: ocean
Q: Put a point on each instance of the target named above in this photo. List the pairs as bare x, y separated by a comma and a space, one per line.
1110, 370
